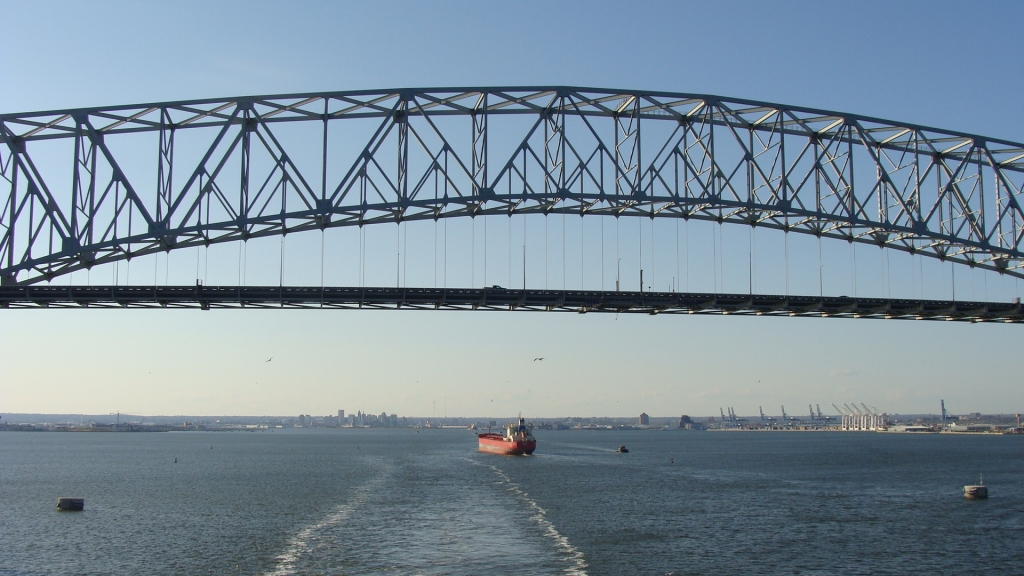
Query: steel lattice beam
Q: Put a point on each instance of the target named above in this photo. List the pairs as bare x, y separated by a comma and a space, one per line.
451, 152
581, 301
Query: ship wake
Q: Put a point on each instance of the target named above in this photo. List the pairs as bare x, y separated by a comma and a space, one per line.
576, 563
305, 540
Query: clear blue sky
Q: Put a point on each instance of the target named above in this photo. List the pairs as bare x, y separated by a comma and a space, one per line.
944, 64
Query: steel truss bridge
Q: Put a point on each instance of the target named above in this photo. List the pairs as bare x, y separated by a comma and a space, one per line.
86, 187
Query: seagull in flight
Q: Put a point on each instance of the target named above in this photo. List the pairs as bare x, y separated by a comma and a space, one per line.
271, 358
535, 359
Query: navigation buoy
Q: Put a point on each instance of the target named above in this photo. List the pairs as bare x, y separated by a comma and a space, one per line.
977, 491
70, 504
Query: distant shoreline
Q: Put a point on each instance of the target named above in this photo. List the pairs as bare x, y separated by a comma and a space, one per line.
125, 428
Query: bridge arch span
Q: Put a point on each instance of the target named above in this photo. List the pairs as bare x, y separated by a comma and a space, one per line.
85, 187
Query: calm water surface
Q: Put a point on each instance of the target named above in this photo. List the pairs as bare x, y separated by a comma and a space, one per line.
424, 502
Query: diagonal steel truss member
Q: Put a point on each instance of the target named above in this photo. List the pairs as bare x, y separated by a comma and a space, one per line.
229, 169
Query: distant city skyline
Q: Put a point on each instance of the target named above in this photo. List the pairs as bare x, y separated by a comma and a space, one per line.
344, 417
849, 418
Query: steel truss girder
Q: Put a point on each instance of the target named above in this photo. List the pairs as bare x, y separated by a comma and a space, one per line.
581, 301
939, 193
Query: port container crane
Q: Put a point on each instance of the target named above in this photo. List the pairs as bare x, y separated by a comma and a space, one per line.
823, 420
736, 420
844, 417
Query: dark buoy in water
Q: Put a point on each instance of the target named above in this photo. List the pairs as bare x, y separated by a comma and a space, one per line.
70, 504
175, 460
978, 491
622, 449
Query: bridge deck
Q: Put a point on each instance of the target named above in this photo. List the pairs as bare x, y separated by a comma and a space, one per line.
496, 298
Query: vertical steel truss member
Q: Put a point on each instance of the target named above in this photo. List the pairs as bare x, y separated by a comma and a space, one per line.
479, 117
554, 153
627, 149
224, 172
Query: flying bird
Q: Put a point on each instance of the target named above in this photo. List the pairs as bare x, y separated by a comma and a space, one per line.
535, 359
271, 358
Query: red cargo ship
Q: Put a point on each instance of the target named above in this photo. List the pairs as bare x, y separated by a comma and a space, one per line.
516, 441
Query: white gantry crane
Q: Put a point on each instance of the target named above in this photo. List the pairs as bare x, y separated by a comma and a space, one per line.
860, 416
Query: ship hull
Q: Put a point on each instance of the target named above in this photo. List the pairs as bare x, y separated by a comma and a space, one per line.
496, 444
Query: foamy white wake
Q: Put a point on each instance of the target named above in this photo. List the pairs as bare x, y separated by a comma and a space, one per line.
300, 544
577, 564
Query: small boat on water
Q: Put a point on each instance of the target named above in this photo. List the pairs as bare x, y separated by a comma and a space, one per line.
71, 504
976, 491
516, 441
622, 449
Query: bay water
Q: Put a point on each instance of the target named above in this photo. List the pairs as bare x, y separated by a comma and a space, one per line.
407, 501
